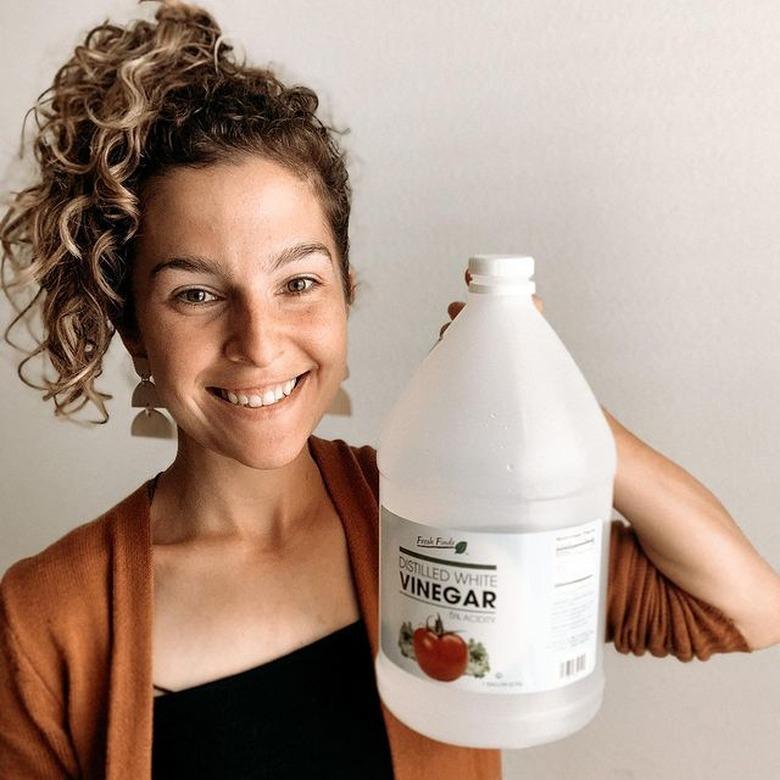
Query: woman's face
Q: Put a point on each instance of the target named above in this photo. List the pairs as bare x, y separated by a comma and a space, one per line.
216, 310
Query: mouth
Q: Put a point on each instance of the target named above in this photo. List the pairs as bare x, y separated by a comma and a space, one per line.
221, 395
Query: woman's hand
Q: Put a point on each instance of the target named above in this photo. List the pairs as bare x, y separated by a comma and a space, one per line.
454, 308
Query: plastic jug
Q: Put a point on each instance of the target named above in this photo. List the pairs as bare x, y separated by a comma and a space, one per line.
496, 473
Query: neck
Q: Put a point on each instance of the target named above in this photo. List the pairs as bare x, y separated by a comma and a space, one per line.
204, 498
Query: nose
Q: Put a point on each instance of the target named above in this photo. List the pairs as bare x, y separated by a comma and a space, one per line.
254, 334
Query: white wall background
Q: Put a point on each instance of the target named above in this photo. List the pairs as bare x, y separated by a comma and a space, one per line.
633, 149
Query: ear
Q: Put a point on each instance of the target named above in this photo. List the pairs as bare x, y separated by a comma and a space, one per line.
352, 282
352, 286
135, 347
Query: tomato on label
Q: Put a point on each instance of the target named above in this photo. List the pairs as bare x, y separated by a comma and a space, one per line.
441, 654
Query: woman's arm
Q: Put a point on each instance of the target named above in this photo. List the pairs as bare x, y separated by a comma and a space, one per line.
687, 534
691, 538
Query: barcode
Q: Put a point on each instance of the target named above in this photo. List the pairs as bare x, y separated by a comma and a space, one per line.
572, 666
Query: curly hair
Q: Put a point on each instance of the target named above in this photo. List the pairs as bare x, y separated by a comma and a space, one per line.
131, 104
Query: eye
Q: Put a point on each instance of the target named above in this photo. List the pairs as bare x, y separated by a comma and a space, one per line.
302, 290
188, 302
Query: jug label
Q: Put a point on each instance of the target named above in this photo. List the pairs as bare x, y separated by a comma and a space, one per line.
490, 612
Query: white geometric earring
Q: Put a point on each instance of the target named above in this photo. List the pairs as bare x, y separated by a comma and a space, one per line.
149, 422
341, 404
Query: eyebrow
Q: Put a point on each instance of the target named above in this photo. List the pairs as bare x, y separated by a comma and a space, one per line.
198, 264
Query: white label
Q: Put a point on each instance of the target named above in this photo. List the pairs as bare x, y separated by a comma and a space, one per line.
490, 612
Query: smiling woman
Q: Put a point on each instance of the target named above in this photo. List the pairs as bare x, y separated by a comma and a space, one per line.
198, 207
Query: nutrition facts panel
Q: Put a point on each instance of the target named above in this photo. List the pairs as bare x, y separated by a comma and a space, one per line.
574, 601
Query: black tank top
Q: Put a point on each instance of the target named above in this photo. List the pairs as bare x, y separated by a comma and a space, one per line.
313, 713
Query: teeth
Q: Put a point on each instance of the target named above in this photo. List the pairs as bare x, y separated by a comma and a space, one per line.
270, 397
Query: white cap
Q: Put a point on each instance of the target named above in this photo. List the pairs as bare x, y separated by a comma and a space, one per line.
505, 271
515, 266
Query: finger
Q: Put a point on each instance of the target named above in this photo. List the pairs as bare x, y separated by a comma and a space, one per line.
539, 303
454, 308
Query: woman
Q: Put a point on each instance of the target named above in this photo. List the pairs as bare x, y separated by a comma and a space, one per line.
221, 620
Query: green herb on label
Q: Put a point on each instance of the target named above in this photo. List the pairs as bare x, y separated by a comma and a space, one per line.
405, 638
479, 664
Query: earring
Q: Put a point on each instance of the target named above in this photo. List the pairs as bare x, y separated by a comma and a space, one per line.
149, 422
341, 404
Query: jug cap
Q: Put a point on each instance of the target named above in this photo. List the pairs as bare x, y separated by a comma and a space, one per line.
519, 267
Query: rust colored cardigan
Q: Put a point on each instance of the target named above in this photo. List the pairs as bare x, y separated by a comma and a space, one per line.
76, 623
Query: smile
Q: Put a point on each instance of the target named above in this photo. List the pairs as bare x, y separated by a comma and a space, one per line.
255, 403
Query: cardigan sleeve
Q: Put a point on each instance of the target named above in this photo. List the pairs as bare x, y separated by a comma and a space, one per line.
647, 611
34, 739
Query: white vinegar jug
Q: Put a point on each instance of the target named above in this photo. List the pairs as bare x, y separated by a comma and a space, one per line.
496, 473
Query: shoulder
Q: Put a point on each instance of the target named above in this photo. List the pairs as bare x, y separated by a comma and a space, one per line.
62, 589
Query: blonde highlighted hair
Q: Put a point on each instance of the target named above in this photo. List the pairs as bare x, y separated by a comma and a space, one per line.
130, 104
